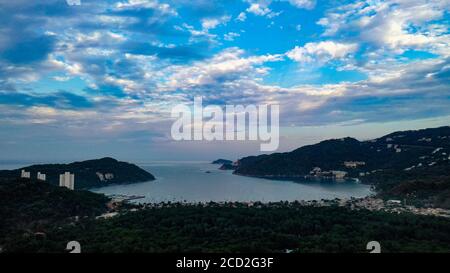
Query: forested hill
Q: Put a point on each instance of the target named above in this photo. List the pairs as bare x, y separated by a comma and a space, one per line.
28, 208
413, 164
88, 174
398, 151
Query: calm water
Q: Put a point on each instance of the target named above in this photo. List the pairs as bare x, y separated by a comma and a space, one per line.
188, 181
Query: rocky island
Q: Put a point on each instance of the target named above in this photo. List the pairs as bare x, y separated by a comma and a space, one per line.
222, 161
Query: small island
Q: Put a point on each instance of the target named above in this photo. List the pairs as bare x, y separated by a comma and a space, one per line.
222, 161
225, 164
88, 174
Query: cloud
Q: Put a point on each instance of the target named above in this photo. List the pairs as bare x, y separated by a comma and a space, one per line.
219, 72
129, 62
395, 25
211, 23
230, 36
163, 8
204, 34
321, 52
306, 4
260, 9
242, 17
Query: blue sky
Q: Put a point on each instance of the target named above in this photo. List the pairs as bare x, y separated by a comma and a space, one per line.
100, 78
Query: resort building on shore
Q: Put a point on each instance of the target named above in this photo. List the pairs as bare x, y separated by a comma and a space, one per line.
67, 180
41, 176
24, 174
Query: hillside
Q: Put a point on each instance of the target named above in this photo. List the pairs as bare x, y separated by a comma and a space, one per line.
236, 228
405, 157
88, 174
29, 208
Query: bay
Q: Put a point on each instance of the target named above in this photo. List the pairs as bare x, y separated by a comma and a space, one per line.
204, 182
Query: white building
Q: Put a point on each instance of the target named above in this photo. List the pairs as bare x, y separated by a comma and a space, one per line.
109, 176
100, 176
104, 177
339, 174
354, 164
41, 176
67, 180
316, 170
25, 174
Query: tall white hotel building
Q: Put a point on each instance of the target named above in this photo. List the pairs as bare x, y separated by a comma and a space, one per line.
67, 180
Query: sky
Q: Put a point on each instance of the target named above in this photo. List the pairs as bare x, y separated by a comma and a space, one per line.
100, 78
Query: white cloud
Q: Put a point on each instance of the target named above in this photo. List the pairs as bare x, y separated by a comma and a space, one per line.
242, 17
222, 69
230, 36
151, 84
260, 9
322, 51
211, 23
396, 25
305, 4
162, 8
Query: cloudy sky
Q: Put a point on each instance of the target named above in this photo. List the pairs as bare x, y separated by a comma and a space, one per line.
100, 78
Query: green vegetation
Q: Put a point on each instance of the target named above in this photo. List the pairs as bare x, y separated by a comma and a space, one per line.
429, 187
39, 217
28, 208
236, 228
411, 164
87, 172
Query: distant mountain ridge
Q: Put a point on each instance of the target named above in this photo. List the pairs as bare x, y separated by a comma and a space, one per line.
399, 151
89, 173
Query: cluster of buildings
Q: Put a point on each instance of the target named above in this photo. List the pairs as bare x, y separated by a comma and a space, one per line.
393, 206
395, 147
25, 174
377, 204
354, 164
65, 180
319, 173
104, 177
